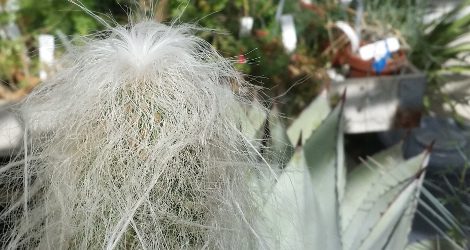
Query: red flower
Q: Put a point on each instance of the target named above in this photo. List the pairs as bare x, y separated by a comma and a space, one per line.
241, 59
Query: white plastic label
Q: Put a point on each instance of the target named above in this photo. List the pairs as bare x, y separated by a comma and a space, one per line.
378, 49
246, 25
46, 52
13, 31
279, 10
350, 33
12, 6
11, 131
289, 36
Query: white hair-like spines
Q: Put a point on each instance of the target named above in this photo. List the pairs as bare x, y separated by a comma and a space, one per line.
133, 144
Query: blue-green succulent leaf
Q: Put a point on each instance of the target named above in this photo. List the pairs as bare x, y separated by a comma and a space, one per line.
309, 119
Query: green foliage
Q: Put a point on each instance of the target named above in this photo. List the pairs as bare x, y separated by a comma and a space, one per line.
437, 38
431, 245
275, 70
455, 193
9, 49
57, 14
400, 18
19, 64
436, 44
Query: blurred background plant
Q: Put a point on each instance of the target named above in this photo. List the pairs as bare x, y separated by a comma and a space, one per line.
21, 22
261, 53
453, 192
440, 51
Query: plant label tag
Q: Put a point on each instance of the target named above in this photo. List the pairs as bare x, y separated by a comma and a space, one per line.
11, 131
46, 53
13, 31
279, 10
350, 33
289, 36
246, 25
379, 49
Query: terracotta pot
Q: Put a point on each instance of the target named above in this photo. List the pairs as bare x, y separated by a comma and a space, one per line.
363, 68
320, 11
338, 58
260, 33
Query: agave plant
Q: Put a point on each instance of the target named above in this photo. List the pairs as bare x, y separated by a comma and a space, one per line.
314, 203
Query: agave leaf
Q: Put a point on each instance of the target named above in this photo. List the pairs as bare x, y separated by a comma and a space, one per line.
274, 151
324, 154
363, 178
305, 195
256, 115
399, 235
291, 216
276, 145
385, 204
309, 119
387, 227
252, 115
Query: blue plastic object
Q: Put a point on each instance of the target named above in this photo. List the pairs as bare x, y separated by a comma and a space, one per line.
380, 64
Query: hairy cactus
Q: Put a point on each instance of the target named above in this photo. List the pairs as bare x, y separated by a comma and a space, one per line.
133, 145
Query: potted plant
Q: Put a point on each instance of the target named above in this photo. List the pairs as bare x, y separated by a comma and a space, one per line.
358, 67
387, 90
